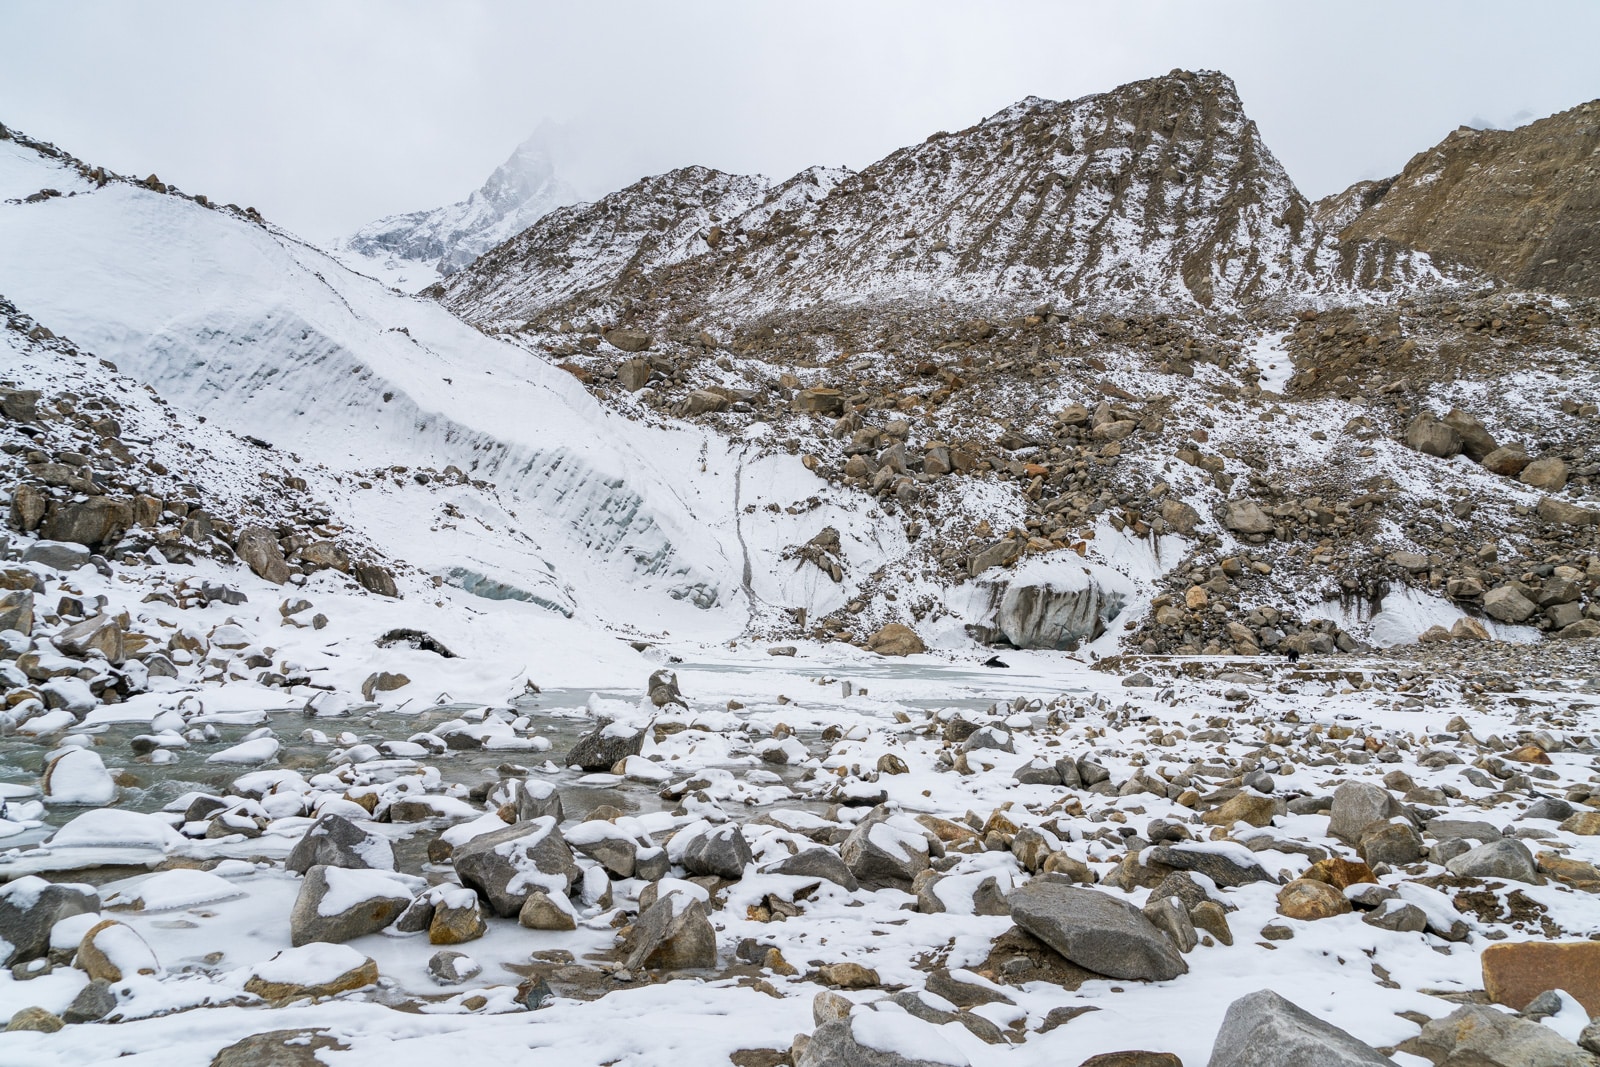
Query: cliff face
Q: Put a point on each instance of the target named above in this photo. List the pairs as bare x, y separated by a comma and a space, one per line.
1522, 205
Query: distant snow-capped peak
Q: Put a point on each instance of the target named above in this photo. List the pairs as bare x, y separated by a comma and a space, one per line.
414, 250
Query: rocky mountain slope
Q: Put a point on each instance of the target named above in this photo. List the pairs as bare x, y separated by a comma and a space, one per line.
1113, 377
1520, 205
809, 426
1157, 193
634, 232
416, 249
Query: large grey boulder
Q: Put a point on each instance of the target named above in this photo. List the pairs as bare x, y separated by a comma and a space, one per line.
1039, 615
99, 520
1506, 858
1246, 517
1096, 931
335, 841
94, 1001
607, 745
1480, 1036
29, 907
504, 866
818, 862
885, 848
1357, 805
672, 934
722, 852
336, 904
58, 555
1265, 1030
1228, 871
870, 1038
535, 800
608, 846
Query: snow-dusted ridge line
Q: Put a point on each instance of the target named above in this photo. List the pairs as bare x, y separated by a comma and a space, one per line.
624, 522
271, 337
1158, 193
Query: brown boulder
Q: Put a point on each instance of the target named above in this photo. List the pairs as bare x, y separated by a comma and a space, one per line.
1508, 461
1561, 513
1246, 517
1476, 441
821, 400
20, 405
97, 521
109, 947
1507, 604
1306, 899
1431, 437
1180, 516
1514, 972
1548, 473
28, 505
279, 1048
1252, 808
703, 402
1340, 873
276, 982
633, 375
896, 639
16, 611
1133, 1058
325, 555
376, 579
628, 340
259, 548
1583, 824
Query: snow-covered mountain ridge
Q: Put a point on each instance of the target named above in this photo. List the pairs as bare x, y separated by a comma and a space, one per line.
1158, 193
234, 319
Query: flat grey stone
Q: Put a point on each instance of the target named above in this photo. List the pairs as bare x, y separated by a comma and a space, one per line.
1265, 1030
1096, 931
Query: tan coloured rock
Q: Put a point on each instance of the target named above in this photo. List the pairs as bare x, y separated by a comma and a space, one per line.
896, 639
1309, 900
1548, 473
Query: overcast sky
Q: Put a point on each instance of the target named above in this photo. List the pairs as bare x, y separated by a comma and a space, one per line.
325, 115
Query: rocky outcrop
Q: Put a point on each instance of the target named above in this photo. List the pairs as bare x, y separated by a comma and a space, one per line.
1522, 205
1039, 615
